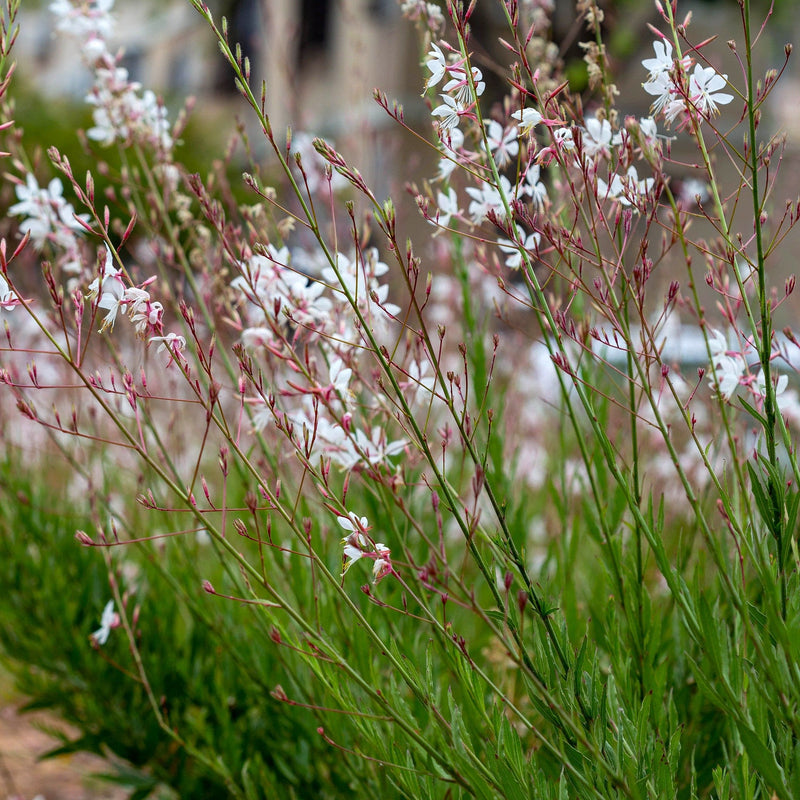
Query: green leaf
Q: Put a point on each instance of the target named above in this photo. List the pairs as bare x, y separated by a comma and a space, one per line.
763, 760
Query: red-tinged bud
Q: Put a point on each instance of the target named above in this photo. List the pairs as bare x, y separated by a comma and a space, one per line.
522, 600
435, 501
673, 291
790, 281
240, 527
279, 694
787, 49
83, 223
207, 587
664, 370
129, 229
84, 539
508, 579
20, 247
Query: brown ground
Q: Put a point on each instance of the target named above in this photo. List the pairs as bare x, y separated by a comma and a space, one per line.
23, 776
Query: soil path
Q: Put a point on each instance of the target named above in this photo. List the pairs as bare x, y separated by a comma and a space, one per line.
23, 776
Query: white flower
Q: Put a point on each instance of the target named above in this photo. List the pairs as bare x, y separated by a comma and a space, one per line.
171, 343
450, 111
376, 449
648, 129
353, 523
528, 119
780, 388
437, 64
383, 564
597, 137
339, 376
717, 344
355, 543
487, 199
461, 84
534, 188
148, 317
502, 142
564, 139
451, 139
728, 367
8, 299
87, 21
691, 189
513, 250
122, 113
111, 288
418, 379
663, 89
662, 62
448, 207
704, 86
108, 621
49, 215
625, 189
729, 371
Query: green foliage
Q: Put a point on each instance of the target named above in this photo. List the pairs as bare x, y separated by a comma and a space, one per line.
210, 663
582, 637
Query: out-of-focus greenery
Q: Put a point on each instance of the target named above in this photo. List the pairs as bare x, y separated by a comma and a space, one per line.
210, 665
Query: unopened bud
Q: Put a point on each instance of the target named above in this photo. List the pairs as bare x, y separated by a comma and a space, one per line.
84, 539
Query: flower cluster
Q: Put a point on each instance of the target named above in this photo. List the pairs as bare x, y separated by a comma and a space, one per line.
730, 369
458, 92
358, 545
112, 292
421, 11
284, 309
678, 92
49, 218
122, 112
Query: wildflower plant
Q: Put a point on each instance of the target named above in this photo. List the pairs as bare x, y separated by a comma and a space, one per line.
576, 550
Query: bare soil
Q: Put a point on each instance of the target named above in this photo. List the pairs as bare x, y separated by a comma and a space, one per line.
23, 775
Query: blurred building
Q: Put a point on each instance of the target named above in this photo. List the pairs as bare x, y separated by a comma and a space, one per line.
320, 60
